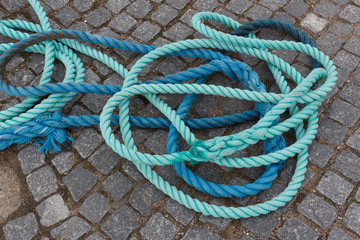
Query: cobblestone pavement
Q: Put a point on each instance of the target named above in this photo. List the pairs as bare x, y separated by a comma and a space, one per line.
88, 192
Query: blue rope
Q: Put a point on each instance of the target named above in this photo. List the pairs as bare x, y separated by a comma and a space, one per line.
52, 126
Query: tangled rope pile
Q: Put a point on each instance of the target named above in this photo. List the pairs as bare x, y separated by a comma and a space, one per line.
40, 117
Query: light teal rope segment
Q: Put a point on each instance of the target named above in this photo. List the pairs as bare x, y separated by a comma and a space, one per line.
218, 149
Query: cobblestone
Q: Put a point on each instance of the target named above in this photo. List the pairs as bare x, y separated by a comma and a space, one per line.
167, 230
13, 5
258, 12
56, 4
177, 4
122, 23
200, 233
112, 183
52, 210
296, 8
352, 45
63, 162
104, 159
73, 228
179, 212
319, 154
164, 14
326, 9
238, 6
98, 17
178, 32
146, 31
331, 132
313, 22
79, 181
341, 29
86, 143
351, 219
83, 6
273, 4
335, 187
353, 141
144, 196
350, 13
21, 228
339, 111
347, 163
294, 228
317, 210
120, 223
260, 226
67, 16
30, 158
95, 207
206, 5
329, 43
21, 77
42, 183
117, 5
338, 234
94, 236
140, 8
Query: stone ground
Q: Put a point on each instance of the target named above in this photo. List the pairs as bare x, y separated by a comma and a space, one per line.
88, 192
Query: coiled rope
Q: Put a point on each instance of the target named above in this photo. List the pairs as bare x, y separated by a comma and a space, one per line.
30, 119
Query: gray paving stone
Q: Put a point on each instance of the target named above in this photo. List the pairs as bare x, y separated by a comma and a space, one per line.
314, 22
95, 207
339, 110
146, 31
86, 143
186, 17
179, 212
284, 17
209, 173
131, 170
296, 8
294, 228
21, 228
317, 210
319, 154
258, 12
273, 4
72, 229
351, 13
177, 4
351, 219
206, 5
357, 195
352, 45
356, 77
42, 182
261, 226
164, 14
63, 162
170, 66
331, 132
140, 8
335, 187
79, 181
81, 26
67, 16
238, 6
104, 159
204, 104
56, 4
21, 78
329, 43
117, 5
200, 233
347, 163
340, 2
326, 9
341, 29
338, 234
122, 23
144, 196
16, 61
98, 17
246, 238
120, 223
349, 93
102, 68
30, 158
354, 140
157, 142
108, 33
94, 236
83, 6
152, 231
52, 210
219, 223
112, 183
14, 5
178, 32
91, 77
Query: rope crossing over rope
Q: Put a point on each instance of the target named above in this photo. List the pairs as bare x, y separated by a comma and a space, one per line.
33, 118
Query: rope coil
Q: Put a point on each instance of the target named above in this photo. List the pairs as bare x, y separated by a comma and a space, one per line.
31, 119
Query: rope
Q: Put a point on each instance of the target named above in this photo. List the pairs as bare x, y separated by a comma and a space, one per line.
31, 119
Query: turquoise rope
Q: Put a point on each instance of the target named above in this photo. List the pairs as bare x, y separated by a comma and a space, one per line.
217, 150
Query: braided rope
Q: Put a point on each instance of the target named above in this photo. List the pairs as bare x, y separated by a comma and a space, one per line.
27, 120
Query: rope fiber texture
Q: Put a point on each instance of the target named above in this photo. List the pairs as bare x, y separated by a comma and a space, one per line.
39, 115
